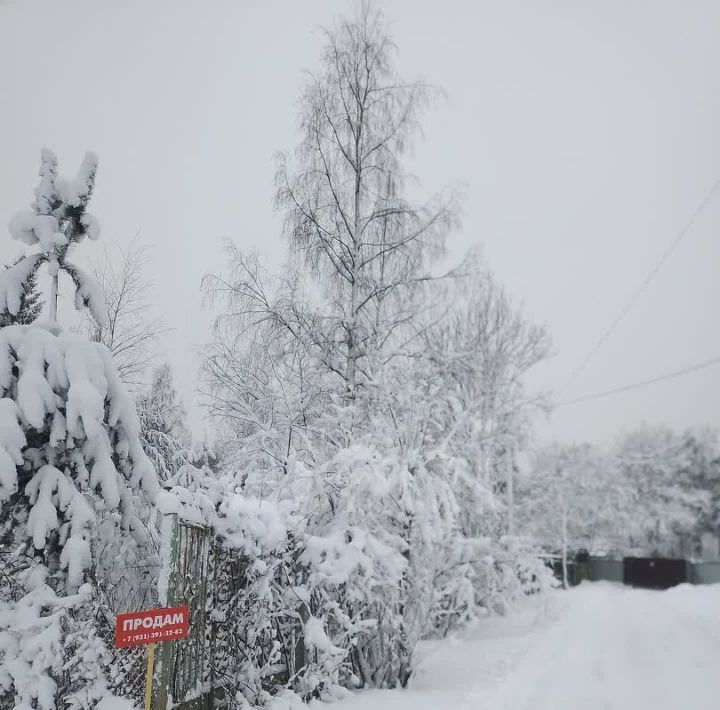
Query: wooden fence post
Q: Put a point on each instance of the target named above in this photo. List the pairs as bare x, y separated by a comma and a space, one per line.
163, 666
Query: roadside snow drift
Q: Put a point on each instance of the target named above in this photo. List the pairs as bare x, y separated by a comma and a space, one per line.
598, 647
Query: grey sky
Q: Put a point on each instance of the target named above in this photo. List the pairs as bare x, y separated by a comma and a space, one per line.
585, 133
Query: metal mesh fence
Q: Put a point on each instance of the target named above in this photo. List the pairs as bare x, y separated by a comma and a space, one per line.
126, 674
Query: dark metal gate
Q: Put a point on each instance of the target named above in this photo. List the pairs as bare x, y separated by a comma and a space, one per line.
654, 572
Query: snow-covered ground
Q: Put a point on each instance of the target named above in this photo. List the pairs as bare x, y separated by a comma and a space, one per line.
598, 647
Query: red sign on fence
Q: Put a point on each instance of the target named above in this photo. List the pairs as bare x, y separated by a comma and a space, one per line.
152, 626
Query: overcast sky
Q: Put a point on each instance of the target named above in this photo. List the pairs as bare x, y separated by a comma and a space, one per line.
585, 133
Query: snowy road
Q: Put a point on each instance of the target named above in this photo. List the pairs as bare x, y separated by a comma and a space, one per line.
599, 647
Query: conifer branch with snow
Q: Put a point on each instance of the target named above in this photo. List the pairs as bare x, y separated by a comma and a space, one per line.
31, 303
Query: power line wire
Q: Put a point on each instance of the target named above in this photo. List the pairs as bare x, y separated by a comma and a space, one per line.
645, 283
644, 383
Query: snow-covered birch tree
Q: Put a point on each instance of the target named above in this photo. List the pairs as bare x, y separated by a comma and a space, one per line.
342, 193
333, 399
130, 331
302, 365
561, 501
485, 347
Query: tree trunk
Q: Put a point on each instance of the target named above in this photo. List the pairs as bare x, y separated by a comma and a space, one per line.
564, 547
510, 497
53, 268
352, 335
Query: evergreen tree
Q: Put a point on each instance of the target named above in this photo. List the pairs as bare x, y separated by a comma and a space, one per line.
162, 425
73, 473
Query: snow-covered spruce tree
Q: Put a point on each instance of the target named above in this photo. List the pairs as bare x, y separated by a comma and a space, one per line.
162, 426
31, 303
71, 469
57, 221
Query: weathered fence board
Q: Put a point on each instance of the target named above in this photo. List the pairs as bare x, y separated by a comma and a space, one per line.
705, 573
605, 569
184, 665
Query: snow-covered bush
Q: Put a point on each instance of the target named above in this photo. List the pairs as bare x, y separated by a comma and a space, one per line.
379, 554
49, 648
